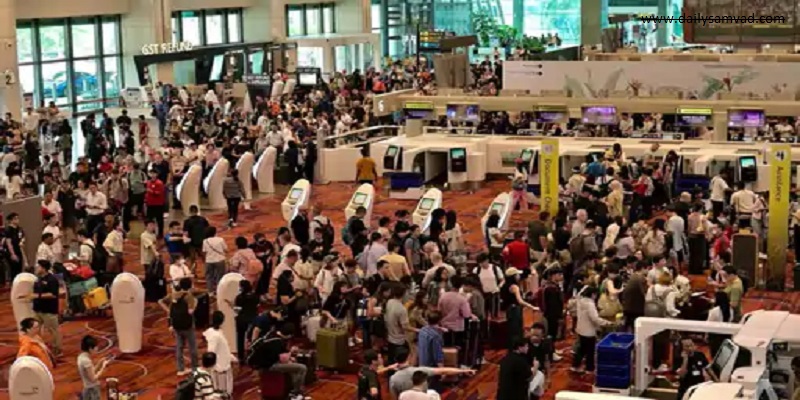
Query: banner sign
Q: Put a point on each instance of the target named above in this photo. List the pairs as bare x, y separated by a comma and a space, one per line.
548, 170
780, 165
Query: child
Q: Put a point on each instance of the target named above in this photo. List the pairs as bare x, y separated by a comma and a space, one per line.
221, 372
176, 241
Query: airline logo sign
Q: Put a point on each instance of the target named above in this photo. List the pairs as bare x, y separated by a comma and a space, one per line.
780, 164
548, 167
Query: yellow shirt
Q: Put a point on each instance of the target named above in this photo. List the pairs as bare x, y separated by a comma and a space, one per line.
397, 265
365, 168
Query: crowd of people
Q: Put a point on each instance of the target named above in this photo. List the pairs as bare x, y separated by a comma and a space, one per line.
620, 245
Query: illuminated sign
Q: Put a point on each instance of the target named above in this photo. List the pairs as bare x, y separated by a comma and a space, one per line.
418, 105
166, 48
695, 111
546, 108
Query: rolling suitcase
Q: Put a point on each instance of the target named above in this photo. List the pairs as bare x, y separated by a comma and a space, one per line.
202, 312
472, 343
273, 385
96, 299
309, 359
155, 288
332, 350
498, 333
312, 327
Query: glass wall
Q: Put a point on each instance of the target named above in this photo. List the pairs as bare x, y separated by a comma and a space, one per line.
75, 62
207, 27
310, 19
550, 17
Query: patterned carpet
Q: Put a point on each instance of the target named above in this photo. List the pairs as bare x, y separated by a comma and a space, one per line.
152, 371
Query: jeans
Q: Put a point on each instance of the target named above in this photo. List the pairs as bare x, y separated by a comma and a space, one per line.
214, 272
233, 208
296, 371
156, 213
586, 349
394, 350
134, 200
181, 338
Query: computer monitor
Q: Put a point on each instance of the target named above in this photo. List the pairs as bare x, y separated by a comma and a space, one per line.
458, 153
472, 112
359, 198
599, 115
307, 79
391, 151
746, 118
747, 162
426, 204
295, 194
497, 208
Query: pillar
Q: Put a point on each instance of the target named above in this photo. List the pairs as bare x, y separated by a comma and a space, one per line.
518, 19
10, 94
253, 22
664, 30
594, 18
148, 22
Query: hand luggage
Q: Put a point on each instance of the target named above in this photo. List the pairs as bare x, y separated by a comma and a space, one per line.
450, 357
312, 327
472, 343
498, 333
155, 288
96, 299
273, 385
81, 287
309, 359
332, 350
202, 311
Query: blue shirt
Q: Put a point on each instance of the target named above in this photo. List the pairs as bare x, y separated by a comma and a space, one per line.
174, 246
430, 347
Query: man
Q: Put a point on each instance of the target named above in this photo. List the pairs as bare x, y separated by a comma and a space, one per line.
195, 229
402, 379
155, 201
633, 295
353, 225
553, 301
455, 309
538, 229
718, 187
301, 227
734, 288
676, 228
279, 358
397, 264
743, 202
45, 301
419, 389
96, 205
179, 306
366, 169
369, 387
45, 250
137, 181
374, 282
690, 366
515, 373
14, 240
85, 248
540, 356
437, 261
328, 275
430, 343
148, 244
397, 324
517, 254
413, 249
203, 382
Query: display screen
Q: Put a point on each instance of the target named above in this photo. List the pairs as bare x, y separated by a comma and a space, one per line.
497, 208
693, 120
418, 114
747, 162
216, 68
295, 194
545, 117
472, 112
359, 199
452, 111
526, 155
426, 204
459, 153
746, 118
599, 115
307, 79
391, 151
722, 357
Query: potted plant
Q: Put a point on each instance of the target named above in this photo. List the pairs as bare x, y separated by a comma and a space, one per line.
484, 26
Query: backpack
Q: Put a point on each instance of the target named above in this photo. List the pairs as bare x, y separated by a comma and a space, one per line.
257, 355
136, 181
657, 307
99, 259
179, 316
347, 238
187, 387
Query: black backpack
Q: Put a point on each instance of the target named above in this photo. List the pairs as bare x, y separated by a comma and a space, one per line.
186, 388
99, 258
179, 316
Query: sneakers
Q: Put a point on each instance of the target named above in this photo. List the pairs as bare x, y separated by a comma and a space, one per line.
351, 342
557, 357
578, 370
662, 369
299, 396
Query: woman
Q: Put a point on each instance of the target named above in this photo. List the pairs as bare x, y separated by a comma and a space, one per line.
417, 318
265, 253
664, 292
245, 262
221, 372
722, 312
588, 322
655, 241
290, 298
216, 257
609, 303
439, 284
376, 325
232, 190
336, 307
246, 307
31, 343
456, 248
494, 237
512, 303
626, 246
90, 372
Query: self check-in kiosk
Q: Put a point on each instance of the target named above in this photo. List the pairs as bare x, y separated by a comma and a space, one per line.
264, 170
458, 159
213, 183
502, 205
21, 288
227, 290
127, 301
748, 168
297, 198
431, 200
244, 167
393, 158
530, 169
189, 188
29, 379
363, 197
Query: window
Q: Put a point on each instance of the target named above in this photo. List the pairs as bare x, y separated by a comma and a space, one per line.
69, 61
376, 17
310, 19
207, 27
310, 56
553, 16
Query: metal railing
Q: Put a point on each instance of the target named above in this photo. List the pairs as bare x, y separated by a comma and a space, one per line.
362, 136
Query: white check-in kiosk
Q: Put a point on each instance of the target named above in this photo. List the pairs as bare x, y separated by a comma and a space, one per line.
29, 379
264, 170
530, 164
227, 290
431, 200
502, 205
20, 289
127, 301
213, 183
244, 167
364, 196
297, 198
189, 188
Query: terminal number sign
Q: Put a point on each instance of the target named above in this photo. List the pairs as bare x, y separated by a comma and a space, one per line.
780, 155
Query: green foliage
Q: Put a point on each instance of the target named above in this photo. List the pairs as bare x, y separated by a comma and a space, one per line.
485, 27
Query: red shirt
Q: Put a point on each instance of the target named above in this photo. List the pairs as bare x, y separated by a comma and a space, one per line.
517, 255
156, 194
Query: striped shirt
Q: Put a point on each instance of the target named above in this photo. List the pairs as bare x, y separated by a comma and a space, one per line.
204, 386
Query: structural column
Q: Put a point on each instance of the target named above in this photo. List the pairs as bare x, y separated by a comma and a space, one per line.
664, 30
594, 18
10, 92
148, 22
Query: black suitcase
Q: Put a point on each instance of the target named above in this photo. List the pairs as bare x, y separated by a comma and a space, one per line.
155, 288
202, 312
698, 254
309, 359
472, 343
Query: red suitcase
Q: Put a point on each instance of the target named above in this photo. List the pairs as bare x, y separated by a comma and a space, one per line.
273, 385
498, 334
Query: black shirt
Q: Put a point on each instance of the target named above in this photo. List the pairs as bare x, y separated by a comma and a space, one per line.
285, 288
541, 352
337, 307
367, 380
46, 284
15, 235
248, 307
195, 226
515, 373
694, 374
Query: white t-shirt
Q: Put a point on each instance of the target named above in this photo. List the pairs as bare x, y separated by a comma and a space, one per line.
718, 188
325, 280
417, 395
744, 201
218, 345
179, 271
215, 248
493, 232
57, 248
53, 207
489, 278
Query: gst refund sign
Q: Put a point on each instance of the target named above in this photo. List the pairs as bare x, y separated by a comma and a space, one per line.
166, 48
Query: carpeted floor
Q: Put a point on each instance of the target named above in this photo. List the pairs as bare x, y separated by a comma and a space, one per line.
152, 371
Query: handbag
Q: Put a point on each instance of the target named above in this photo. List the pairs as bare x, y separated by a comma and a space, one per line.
608, 308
